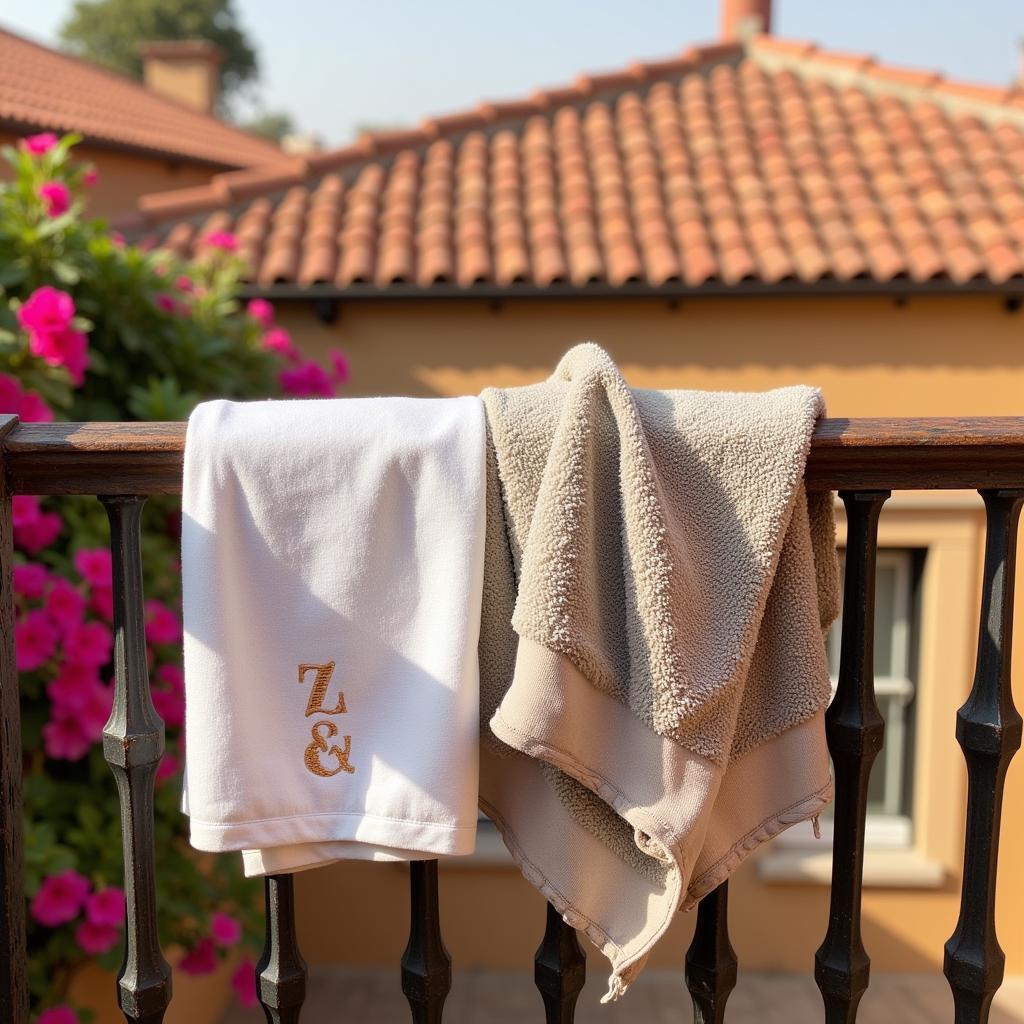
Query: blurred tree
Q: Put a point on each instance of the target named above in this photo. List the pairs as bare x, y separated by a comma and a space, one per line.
271, 124
110, 31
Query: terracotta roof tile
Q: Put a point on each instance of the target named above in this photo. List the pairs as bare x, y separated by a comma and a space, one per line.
41, 89
785, 165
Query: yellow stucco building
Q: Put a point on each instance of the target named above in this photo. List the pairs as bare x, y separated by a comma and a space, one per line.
749, 214
141, 138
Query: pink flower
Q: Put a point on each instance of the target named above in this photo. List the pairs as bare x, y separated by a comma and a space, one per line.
166, 303
102, 602
172, 677
64, 739
10, 393
94, 715
201, 959
117, 239
39, 534
96, 938
35, 639
25, 510
28, 405
65, 605
306, 381
34, 410
243, 981
46, 311
224, 929
56, 197
94, 565
106, 906
220, 240
89, 644
39, 144
278, 340
30, 579
91, 176
162, 625
261, 311
170, 707
63, 1014
67, 348
70, 691
184, 284
339, 361
33, 528
168, 767
60, 898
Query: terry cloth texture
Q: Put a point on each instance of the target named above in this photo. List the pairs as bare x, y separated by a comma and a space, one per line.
658, 585
332, 555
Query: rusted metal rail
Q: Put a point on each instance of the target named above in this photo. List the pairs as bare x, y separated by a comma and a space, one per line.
863, 459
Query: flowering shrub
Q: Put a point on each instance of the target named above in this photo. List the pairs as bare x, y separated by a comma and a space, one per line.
94, 329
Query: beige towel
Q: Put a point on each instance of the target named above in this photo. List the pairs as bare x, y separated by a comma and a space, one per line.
657, 588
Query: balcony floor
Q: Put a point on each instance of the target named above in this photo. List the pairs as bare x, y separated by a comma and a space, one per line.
372, 996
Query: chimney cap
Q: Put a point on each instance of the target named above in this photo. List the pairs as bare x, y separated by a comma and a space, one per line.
181, 48
739, 20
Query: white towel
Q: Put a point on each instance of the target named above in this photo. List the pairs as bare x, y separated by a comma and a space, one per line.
332, 562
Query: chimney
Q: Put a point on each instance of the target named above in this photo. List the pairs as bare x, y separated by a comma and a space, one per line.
740, 19
185, 70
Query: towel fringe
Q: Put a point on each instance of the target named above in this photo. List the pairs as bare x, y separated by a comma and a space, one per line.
616, 988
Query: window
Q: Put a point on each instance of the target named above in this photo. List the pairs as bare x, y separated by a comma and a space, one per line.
890, 791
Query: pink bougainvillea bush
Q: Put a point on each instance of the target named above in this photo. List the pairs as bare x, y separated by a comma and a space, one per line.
92, 328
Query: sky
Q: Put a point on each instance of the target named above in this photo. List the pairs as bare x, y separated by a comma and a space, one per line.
337, 66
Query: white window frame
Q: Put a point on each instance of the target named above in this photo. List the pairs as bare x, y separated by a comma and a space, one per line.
886, 829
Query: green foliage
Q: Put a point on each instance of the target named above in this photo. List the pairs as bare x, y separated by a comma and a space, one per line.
162, 335
110, 31
270, 124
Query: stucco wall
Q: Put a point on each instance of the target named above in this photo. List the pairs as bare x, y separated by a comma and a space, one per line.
124, 176
873, 357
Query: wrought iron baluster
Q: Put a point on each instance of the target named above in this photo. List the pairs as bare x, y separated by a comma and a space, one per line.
281, 972
559, 969
988, 729
426, 965
855, 729
133, 743
13, 979
711, 961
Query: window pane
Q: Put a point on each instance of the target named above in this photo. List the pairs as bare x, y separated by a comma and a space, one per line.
888, 615
885, 618
888, 789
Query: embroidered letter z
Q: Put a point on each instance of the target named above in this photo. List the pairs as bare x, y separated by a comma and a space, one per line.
315, 704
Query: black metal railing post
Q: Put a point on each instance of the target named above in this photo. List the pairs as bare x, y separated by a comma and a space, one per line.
133, 743
281, 971
854, 729
426, 965
988, 729
559, 969
711, 962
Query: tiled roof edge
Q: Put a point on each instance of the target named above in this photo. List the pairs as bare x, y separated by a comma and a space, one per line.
990, 103
235, 186
127, 82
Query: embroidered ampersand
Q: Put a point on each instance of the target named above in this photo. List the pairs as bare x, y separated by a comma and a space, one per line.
319, 746
324, 730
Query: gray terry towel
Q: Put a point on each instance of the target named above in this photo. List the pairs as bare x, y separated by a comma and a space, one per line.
658, 585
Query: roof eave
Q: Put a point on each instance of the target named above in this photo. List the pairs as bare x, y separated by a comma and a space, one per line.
896, 288
21, 127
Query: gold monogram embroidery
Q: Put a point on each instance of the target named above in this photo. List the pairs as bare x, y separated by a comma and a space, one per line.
324, 730
315, 705
319, 746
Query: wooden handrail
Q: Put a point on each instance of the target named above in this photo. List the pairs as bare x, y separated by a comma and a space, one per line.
146, 458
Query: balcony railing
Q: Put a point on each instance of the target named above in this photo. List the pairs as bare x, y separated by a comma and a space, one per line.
864, 460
